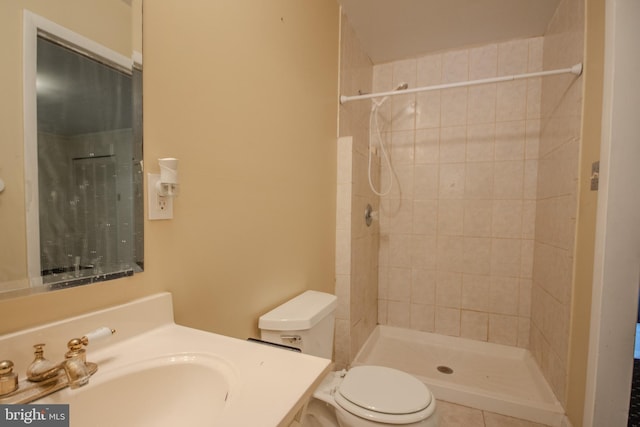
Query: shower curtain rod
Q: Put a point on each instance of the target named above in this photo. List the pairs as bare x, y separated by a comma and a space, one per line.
576, 69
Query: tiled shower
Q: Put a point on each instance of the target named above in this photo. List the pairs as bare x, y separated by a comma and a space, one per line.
476, 237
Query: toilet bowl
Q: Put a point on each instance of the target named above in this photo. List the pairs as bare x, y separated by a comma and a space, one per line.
371, 396
364, 396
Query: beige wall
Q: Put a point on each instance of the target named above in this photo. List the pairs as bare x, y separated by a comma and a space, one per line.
556, 207
244, 94
587, 203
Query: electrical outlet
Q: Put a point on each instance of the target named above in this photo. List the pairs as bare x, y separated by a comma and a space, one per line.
160, 207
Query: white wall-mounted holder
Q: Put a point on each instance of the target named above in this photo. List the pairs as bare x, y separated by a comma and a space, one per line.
168, 184
162, 188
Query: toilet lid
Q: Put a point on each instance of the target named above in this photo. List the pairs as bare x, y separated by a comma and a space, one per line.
384, 390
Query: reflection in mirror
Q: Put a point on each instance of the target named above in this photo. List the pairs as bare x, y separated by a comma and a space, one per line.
84, 217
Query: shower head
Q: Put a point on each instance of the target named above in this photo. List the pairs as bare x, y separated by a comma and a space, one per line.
376, 104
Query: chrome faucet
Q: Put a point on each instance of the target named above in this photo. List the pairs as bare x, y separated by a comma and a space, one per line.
45, 377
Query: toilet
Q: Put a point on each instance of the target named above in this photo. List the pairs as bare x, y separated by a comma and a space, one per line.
363, 396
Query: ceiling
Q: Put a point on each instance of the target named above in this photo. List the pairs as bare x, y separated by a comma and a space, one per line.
390, 30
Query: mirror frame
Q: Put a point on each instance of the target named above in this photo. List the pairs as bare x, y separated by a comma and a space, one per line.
33, 24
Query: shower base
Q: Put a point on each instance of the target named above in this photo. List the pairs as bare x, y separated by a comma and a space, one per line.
491, 377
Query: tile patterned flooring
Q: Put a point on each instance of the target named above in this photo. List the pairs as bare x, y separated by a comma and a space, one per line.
452, 415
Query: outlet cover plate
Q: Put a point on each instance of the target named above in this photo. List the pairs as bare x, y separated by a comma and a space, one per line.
159, 207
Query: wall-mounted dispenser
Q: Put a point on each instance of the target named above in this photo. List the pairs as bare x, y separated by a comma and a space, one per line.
168, 184
162, 188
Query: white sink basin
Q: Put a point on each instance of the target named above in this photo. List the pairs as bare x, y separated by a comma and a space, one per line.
182, 389
153, 372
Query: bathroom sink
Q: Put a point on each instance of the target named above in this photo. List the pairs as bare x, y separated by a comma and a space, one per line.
153, 372
181, 389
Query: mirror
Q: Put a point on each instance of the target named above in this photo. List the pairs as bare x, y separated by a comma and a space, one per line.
82, 112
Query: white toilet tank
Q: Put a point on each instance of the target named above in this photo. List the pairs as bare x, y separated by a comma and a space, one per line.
305, 322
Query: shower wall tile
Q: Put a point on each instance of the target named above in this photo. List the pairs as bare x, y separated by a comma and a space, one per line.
448, 289
423, 286
423, 252
513, 57
503, 329
453, 107
402, 184
504, 295
475, 292
382, 77
399, 287
399, 250
511, 101
429, 70
479, 181
455, 66
426, 181
510, 140
556, 204
399, 314
343, 253
427, 145
507, 218
480, 142
425, 217
423, 317
428, 109
399, 218
357, 283
481, 104
526, 259
342, 341
403, 112
532, 139
447, 321
524, 331
453, 141
461, 216
483, 62
450, 217
474, 325
508, 180
476, 255
536, 45
382, 311
534, 93
451, 180
524, 298
505, 257
530, 179
404, 72
478, 217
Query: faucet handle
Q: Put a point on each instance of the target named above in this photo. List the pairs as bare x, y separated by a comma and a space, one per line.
39, 349
100, 333
40, 369
8, 379
76, 345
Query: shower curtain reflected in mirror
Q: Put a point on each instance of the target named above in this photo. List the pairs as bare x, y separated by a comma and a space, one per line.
89, 171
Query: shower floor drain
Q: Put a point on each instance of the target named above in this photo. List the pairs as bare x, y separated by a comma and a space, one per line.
445, 370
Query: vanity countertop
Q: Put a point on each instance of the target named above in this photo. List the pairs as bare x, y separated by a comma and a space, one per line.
268, 386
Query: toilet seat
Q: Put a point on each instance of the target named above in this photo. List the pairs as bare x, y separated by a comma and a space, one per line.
384, 395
